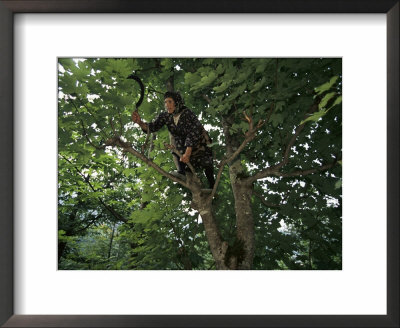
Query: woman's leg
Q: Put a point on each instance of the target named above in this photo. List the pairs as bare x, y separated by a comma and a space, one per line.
204, 163
179, 165
209, 171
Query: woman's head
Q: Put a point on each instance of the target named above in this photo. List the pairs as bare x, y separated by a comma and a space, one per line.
173, 102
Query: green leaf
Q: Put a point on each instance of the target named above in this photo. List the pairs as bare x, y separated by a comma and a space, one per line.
191, 78
118, 67
315, 117
207, 80
338, 184
325, 99
326, 86
258, 85
220, 69
261, 67
337, 101
280, 105
222, 87
276, 119
129, 172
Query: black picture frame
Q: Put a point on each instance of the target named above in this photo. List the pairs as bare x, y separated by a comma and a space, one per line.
7, 11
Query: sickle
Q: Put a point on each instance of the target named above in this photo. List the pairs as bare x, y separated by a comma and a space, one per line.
137, 79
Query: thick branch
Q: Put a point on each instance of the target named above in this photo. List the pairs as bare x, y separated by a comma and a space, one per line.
309, 171
271, 171
116, 141
264, 201
250, 135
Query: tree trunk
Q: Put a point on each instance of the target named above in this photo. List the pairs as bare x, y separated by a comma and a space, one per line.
244, 246
203, 204
218, 247
243, 249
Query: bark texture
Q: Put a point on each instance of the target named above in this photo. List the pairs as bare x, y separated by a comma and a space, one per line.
243, 248
202, 203
242, 193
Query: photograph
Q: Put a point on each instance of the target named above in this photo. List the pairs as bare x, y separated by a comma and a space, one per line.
199, 163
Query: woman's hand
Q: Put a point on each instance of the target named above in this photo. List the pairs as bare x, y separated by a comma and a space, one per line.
186, 156
136, 117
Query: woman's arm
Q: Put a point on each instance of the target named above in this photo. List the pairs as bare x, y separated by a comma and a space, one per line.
154, 126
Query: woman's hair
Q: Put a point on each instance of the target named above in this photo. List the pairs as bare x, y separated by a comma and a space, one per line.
176, 96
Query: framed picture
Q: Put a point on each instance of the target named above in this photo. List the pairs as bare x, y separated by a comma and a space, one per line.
32, 290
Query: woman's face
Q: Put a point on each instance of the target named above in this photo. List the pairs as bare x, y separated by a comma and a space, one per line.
169, 104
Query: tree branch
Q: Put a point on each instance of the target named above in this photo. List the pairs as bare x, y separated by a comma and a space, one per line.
264, 201
250, 135
271, 110
309, 171
150, 89
87, 180
92, 221
90, 112
298, 130
275, 170
206, 98
116, 141
121, 126
144, 146
88, 139
112, 126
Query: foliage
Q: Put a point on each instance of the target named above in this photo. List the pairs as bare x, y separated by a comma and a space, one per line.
114, 212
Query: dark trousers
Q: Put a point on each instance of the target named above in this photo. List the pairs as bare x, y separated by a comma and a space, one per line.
208, 170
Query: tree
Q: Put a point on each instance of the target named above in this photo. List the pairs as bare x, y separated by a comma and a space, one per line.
276, 130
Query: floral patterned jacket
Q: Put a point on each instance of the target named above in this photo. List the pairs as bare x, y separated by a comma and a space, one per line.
189, 132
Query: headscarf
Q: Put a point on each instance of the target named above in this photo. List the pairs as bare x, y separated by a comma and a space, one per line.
179, 103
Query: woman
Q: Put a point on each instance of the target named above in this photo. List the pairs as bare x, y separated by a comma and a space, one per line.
187, 135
